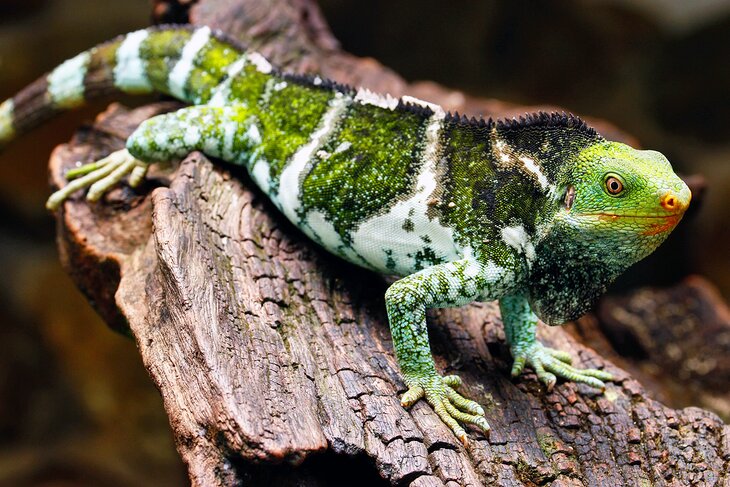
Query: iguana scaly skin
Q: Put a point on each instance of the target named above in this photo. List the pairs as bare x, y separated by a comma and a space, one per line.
540, 213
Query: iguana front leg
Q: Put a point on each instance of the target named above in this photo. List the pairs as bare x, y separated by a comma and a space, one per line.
443, 285
520, 325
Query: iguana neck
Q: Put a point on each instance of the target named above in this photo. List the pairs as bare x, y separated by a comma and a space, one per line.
550, 139
505, 174
574, 265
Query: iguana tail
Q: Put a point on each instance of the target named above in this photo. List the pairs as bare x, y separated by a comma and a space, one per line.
178, 60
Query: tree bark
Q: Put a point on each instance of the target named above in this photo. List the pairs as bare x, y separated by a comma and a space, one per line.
274, 358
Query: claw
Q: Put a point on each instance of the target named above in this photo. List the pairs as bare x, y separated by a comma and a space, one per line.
99, 177
519, 365
452, 381
448, 404
549, 380
550, 364
560, 355
464, 440
138, 174
411, 396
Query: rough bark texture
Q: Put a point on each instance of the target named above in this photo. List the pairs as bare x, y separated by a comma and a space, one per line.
274, 359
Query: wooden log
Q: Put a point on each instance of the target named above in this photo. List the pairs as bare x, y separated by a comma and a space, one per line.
678, 337
274, 358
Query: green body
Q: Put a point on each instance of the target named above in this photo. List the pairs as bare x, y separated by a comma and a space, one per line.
541, 213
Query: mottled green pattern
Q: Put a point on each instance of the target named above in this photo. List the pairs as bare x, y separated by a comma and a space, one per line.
100, 66
174, 135
287, 116
161, 51
378, 165
468, 169
248, 86
210, 68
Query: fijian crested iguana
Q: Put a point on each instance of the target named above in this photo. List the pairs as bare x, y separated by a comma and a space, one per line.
541, 213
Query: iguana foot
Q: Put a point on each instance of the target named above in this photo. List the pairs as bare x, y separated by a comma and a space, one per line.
549, 364
446, 402
100, 177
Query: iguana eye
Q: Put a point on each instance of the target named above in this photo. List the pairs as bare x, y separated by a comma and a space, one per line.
614, 186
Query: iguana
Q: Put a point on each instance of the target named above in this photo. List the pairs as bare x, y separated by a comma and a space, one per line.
540, 213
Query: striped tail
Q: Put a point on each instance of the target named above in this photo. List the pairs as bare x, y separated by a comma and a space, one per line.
181, 61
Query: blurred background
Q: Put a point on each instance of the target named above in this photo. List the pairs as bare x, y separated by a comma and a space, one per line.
77, 406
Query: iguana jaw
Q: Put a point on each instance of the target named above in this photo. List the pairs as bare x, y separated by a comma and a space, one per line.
649, 224
614, 216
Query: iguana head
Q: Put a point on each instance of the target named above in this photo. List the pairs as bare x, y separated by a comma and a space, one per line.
626, 199
618, 205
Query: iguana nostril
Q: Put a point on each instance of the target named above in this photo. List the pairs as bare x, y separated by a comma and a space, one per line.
670, 202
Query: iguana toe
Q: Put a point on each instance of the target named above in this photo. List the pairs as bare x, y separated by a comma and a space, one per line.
448, 404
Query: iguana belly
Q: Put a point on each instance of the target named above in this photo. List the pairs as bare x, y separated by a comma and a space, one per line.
401, 241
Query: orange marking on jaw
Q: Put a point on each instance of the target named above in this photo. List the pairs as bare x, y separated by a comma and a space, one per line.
670, 221
614, 216
665, 222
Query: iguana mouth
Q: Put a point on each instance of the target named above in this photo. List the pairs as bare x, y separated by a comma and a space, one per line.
670, 221
614, 216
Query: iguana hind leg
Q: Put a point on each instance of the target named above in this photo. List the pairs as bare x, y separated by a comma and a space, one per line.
100, 177
218, 131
